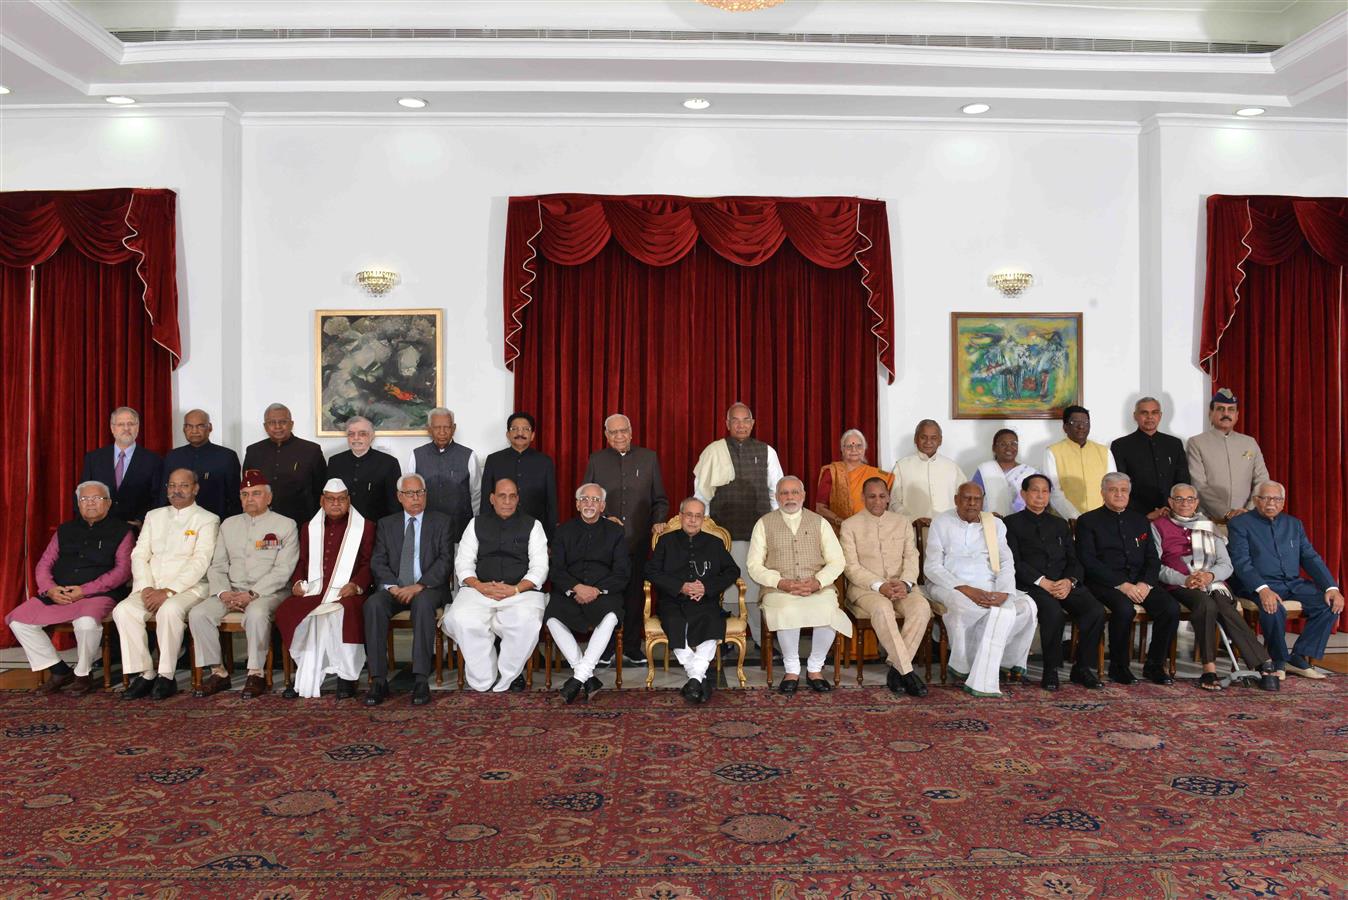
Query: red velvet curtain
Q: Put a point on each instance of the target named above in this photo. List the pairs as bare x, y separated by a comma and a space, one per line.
104, 333
1274, 332
626, 305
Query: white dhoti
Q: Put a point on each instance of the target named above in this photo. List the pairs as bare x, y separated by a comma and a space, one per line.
474, 622
984, 640
318, 650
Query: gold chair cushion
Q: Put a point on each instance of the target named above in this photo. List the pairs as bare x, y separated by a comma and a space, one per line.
735, 626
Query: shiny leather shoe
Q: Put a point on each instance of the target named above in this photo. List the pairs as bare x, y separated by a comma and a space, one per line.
570, 690
254, 686
81, 685
346, 690
1268, 677
1049, 681
139, 687
818, 685
913, 685
290, 693
1157, 675
788, 686
1122, 676
421, 694
1085, 677
54, 683
894, 681
377, 693
592, 686
518, 686
692, 690
213, 685
164, 688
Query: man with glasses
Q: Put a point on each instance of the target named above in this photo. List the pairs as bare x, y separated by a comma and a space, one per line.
452, 471
372, 475
80, 577
412, 564
588, 564
532, 472
133, 474
1194, 566
1269, 549
1076, 465
635, 499
294, 467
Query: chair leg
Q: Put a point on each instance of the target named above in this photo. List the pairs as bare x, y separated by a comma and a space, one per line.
618, 656
439, 657
837, 657
650, 664
739, 666
926, 641
766, 652
271, 664
107, 656
858, 649
547, 659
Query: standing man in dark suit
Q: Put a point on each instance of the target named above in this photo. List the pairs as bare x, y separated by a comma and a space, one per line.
533, 473
1153, 459
1048, 570
412, 566
372, 475
217, 467
134, 474
294, 467
1269, 549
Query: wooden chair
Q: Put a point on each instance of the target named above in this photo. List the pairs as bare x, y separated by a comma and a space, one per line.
1250, 608
105, 644
549, 649
861, 623
839, 642
736, 627
402, 621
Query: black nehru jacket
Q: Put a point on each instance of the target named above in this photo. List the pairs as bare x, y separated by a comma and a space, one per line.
1155, 463
296, 471
217, 470
372, 481
86, 551
1041, 545
677, 559
587, 553
535, 477
1116, 547
503, 547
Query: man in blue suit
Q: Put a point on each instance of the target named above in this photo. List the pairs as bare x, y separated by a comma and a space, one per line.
1269, 549
134, 474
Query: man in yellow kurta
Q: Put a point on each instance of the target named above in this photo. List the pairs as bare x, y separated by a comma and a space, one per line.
1076, 466
795, 556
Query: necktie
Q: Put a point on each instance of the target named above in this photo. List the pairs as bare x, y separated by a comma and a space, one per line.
121, 468
407, 562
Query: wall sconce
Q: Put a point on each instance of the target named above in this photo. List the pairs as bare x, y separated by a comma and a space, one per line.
377, 282
1010, 283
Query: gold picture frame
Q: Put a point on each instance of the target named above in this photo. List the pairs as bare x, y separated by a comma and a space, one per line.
384, 364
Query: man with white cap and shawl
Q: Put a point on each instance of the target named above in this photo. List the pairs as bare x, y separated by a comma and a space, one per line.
322, 623
796, 557
970, 573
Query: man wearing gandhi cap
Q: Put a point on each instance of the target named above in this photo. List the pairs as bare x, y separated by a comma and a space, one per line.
1225, 465
249, 576
321, 623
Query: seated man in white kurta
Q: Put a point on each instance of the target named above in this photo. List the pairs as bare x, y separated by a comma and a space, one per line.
795, 556
322, 622
502, 561
971, 574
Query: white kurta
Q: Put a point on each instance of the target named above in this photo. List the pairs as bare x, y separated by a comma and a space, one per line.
925, 485
783, 610
982, 639
474, 621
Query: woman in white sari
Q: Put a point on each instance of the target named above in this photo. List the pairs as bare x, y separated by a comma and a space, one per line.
1000, 477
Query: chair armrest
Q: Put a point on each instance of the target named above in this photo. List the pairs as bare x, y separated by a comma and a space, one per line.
744, 610
646, 611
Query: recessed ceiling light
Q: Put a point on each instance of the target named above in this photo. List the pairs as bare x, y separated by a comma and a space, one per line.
120, 101
412, 102
975, 109
3, 89
697, 103
1250, 111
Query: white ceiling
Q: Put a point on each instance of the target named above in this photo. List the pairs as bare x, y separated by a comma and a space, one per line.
55, 53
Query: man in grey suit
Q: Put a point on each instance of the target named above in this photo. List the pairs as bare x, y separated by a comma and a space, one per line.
412, 567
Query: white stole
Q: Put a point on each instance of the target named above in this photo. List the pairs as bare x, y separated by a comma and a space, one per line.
346, 560
714, 468
990, 537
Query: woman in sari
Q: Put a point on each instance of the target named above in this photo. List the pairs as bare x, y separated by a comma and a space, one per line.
839, 491
1000, 477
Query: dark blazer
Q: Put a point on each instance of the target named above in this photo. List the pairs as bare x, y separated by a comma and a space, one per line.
141, 482
436, 563
1156, 464
1042, 547
1273, 552
1117, 547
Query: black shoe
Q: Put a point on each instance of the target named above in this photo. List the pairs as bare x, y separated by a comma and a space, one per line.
1156, 674
788, 686
913, 685
345, 689
290, 693
592, 686
818, 685
164, 688
1122, 676
570, 690
1085, 677
894, 681
706, 685
377, 693
421, 694
1268, 677
692, 690
637, 659
605, 662
55, 681
518, 686
139, 687
1049, 681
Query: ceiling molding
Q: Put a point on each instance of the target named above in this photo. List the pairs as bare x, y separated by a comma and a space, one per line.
1324, 35
79, 24
215, 110
1162, 121
37, 60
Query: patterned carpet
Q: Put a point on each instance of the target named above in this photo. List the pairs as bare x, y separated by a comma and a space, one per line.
1144, 792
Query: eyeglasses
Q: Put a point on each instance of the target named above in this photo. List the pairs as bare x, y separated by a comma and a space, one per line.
589, 499
94, 499
1272, 499
620, 431
1185, 499
414, 494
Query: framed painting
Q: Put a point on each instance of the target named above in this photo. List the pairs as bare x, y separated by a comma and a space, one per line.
386, 365
1014, 365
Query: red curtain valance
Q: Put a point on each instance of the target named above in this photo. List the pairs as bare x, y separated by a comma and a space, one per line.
1267, 231
107, 226
659, 230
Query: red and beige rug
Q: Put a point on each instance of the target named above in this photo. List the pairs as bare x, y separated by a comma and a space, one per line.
1144, 792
